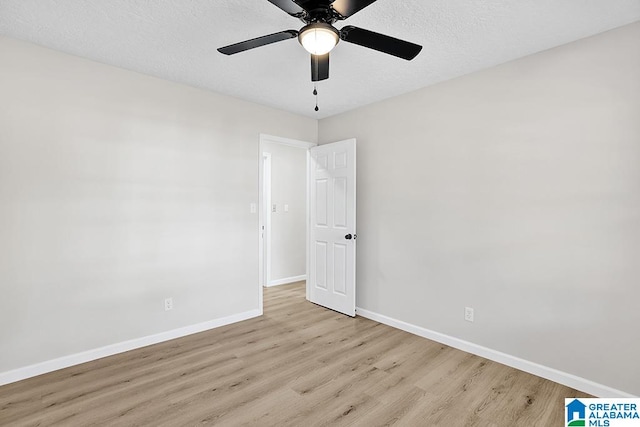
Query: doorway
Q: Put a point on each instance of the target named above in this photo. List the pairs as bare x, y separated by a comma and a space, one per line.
283, 211
307, 197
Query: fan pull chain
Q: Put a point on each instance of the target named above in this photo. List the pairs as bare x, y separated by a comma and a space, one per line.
315, 93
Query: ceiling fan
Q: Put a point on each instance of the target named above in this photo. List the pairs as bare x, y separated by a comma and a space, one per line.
318, 36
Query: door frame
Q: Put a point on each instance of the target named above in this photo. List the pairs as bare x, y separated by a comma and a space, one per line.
265, 211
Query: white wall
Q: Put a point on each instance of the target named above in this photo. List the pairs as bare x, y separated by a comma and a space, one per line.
516, 191
116, 191
288, 229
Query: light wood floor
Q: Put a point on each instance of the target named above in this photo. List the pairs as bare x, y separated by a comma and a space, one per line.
298, 365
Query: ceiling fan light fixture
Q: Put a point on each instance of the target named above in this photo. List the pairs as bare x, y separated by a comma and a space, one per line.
318, 38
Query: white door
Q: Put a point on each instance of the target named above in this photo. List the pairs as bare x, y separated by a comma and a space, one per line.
332, 211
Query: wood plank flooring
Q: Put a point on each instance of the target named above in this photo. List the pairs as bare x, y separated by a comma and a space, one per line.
298, 365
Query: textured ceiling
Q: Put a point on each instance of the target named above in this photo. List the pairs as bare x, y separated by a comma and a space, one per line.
177, 40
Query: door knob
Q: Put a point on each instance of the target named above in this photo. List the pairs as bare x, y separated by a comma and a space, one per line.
348, 237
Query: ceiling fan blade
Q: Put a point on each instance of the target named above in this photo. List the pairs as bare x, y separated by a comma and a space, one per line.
257, 42
290, 7
380, 42
346, 8
319, 67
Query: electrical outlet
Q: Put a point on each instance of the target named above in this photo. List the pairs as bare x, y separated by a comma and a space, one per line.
168, 304
468, 314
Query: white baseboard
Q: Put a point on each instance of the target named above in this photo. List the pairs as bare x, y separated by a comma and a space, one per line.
109, 350
286, 280
560, 377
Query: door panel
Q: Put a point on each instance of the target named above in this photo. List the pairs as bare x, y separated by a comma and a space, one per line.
332, 178
321, 264
340, 202
340, 268
321, 202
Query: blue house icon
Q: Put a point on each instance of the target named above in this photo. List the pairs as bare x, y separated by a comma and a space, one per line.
575, 407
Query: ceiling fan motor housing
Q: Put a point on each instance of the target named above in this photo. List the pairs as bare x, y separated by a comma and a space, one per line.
319, 11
